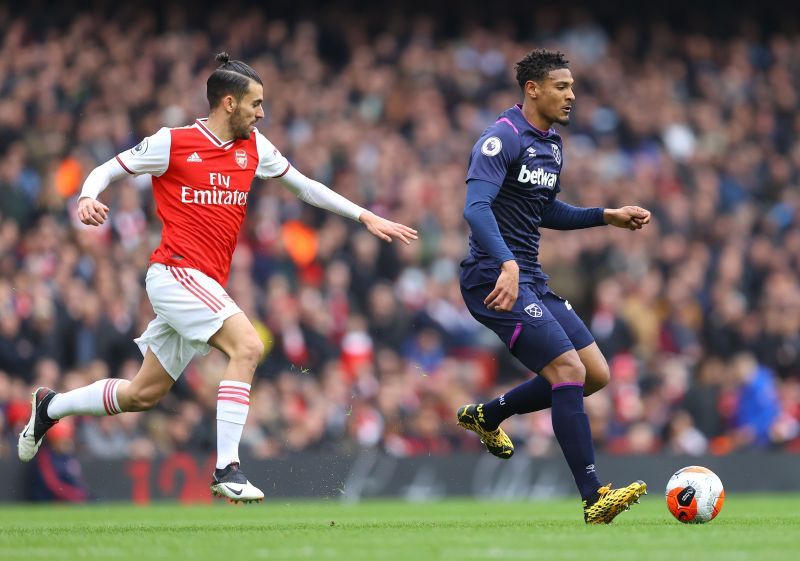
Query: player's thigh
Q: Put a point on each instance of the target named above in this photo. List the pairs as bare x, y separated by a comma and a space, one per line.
190, 308
238, 338
573, 325
593, 360
529, 330
193, 304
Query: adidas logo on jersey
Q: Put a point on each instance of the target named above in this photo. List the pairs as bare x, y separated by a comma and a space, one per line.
195, 157
537, 177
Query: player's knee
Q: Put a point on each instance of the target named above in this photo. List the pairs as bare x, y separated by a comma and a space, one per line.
250, 349
565, 368
597, 379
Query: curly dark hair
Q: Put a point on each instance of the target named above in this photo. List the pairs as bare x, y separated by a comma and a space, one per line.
231, 77
537, 64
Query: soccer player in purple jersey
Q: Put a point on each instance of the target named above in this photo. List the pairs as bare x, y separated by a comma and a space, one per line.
512, 184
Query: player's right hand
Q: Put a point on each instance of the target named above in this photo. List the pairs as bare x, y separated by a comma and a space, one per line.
91, 211
506, 289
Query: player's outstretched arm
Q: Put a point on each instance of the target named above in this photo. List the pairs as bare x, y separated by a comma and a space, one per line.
630, 217
91, 211
151, 156
317, 194
386, 229
558, 215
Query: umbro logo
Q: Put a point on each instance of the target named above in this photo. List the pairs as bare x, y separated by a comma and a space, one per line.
195, 157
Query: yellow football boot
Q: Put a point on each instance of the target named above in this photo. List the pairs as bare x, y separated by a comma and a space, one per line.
497, 442
611, 502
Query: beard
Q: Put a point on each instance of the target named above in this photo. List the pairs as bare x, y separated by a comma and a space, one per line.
240, 126
564, 121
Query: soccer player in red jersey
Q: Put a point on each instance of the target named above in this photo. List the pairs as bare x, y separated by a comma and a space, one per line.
201, 182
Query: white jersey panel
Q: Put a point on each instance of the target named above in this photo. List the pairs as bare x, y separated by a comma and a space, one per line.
151, 155
271, 163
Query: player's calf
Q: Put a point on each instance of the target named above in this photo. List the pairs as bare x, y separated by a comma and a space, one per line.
138, 399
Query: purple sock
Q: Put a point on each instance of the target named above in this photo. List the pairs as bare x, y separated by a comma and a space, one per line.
531, 395
571, 426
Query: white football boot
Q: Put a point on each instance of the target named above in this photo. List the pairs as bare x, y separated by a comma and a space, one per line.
232, 484
30, 439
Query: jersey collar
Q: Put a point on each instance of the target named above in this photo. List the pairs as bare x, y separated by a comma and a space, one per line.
538, 131
203, 128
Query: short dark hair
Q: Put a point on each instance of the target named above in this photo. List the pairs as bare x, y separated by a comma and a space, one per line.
231, 77
537, 64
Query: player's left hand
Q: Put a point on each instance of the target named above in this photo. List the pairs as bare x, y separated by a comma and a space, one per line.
630, 217
506, 289
92, 212
386, 229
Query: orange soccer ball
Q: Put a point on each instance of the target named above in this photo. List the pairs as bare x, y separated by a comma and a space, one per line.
695, 495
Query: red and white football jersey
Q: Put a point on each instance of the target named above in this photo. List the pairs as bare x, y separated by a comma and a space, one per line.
201, 185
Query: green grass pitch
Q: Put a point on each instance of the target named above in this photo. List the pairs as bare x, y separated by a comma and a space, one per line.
758, 527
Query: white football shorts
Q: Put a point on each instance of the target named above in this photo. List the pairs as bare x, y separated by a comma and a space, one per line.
190, 307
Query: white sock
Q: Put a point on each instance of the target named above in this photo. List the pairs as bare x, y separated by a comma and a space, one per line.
233, 403
98, 399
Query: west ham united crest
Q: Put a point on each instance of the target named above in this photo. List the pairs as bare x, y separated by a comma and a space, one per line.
533, 310
241, 158
556, 153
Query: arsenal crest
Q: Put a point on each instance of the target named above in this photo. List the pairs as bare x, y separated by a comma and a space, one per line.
241, 158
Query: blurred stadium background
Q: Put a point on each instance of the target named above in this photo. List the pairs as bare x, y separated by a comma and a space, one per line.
690, 112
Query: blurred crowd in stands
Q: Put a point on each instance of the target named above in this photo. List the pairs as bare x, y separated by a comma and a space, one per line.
369, 344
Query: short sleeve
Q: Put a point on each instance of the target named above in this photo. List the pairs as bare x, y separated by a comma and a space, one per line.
271, 163
496, 149
151, 155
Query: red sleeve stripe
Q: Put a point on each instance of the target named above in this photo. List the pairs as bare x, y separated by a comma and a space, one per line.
124, 166
283, 172
185, 285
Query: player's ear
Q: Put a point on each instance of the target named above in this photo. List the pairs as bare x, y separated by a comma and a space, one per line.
531, 89
229, 103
